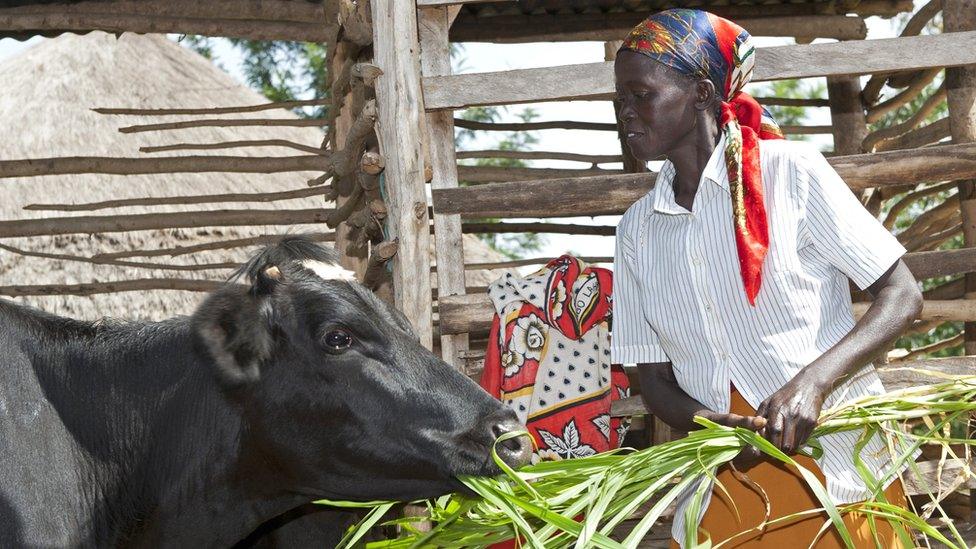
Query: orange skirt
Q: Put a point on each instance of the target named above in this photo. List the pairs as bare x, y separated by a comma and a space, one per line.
787, 494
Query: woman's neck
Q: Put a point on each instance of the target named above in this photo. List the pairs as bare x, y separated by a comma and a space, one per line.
689, 160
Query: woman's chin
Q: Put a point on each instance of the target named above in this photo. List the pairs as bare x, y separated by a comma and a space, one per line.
643, 152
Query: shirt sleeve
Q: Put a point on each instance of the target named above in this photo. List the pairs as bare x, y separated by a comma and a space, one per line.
839, 227
634, 341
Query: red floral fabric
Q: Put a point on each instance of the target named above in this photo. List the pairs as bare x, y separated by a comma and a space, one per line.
548, 358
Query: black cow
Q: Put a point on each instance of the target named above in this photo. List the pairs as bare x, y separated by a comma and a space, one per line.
193, 432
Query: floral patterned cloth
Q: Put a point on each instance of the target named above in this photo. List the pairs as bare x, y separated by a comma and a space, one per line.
702, 45
548, 357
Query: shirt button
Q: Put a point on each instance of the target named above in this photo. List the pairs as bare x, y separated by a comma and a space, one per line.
697, 261
708, 308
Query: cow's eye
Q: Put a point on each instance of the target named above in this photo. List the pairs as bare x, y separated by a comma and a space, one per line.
338, 340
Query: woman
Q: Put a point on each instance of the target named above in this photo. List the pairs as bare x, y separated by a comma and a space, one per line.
731, 281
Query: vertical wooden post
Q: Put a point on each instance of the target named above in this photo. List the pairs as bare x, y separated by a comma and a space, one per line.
400, 107
960, 15
849, 125
435, 60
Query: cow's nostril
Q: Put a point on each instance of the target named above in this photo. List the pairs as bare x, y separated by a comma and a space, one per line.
515, 451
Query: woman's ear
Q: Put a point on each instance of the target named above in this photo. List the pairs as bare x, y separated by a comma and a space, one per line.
705, 94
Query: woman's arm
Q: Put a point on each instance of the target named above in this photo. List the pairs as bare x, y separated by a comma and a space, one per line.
792, 412
664, 398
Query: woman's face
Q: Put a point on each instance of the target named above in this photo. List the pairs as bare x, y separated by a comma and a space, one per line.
657, 105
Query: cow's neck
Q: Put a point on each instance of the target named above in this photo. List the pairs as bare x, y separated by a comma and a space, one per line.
157, 435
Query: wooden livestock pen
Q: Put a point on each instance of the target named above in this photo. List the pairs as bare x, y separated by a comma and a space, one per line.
389, 160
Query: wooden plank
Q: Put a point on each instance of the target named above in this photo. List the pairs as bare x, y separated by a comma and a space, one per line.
959, 310
596, 81
960, 84
400, 106
613, 194
941, 262
571, 27
448, 241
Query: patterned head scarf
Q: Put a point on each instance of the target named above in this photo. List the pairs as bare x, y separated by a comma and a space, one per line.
702, 45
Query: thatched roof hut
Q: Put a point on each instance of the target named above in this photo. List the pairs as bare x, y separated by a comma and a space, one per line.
49, 91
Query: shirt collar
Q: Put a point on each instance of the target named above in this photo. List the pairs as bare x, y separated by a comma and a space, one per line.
714, 171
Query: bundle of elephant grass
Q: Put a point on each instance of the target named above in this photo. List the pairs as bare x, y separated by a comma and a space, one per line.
579, 503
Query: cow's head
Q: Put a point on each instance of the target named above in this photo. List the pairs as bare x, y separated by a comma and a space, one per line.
337, 392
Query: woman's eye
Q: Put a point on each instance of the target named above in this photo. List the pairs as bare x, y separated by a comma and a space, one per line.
338, 340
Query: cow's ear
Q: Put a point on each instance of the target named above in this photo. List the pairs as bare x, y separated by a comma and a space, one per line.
235, 329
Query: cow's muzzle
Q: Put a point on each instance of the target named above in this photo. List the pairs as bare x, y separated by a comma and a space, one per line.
516, 451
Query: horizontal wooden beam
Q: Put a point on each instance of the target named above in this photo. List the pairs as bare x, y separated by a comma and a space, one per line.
213, 110
261, 240
182, 200
430, 3
93, 288
226, 123
153, 221
182, 164
542, 155
941, 262
596, 81
613, 194
571, 27
551, 228
957, 310
490, 174
235, 145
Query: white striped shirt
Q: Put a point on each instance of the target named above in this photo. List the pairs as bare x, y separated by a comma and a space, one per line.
679, 296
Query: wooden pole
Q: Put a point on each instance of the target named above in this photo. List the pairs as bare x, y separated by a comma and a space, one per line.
448, 240
216, 245
849, 124
182, 164
136, 285
153, 221
234, 145
225, 123
400, 104
171, 200
958, 16
214, 110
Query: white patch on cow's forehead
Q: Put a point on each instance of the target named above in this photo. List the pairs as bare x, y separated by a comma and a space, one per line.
329, 271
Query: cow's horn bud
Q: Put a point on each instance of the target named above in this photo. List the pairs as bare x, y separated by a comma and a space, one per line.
273, 272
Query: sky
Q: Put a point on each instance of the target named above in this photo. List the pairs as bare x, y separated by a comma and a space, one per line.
481, 57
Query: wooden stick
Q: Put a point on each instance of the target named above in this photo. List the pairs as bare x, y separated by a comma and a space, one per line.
143, 24
947, 343
921, 224
878, 111
235, 145
954, 310
181, 164
120, 263
910, 198
352, 203
168, 200
531, 126
153, 221
376, 267
261, 240
226, 123
542, 155
491, 174
595, 80
612, 194
215, 110
598, 126
93, 288
919, 137
792, 102
525, 262
920, 116
345, 161
554, 228
941, 263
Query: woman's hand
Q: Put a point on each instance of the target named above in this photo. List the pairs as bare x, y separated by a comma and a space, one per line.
791, 414
750, 455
